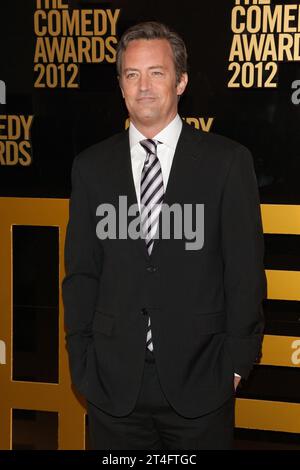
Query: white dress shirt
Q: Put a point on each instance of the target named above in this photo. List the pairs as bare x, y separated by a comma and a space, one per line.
165, 152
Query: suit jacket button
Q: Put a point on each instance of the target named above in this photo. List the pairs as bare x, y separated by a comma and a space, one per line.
144, 311
151, 269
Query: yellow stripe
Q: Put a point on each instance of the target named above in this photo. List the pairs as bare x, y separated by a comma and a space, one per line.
281, 351
283, 285
268, 415
284, 219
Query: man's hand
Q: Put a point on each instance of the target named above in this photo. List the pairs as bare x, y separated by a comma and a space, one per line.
237, 380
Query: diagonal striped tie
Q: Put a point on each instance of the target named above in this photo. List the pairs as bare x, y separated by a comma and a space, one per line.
152, 192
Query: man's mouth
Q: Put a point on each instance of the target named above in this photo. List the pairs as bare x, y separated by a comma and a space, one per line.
146, 98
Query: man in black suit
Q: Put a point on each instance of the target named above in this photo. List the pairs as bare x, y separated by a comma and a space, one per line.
159, 331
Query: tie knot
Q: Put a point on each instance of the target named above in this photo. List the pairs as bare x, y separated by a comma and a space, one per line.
149, 145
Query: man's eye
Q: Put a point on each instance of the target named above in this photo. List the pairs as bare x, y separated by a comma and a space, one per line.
157, 72
131, 75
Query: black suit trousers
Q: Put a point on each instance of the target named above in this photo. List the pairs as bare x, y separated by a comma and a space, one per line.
154, 424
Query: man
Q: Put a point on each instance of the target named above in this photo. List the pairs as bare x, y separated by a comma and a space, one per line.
159, 335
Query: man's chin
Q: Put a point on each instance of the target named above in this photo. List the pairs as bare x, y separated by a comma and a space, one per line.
147, 119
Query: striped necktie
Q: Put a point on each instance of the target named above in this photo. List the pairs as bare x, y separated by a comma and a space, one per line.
152, 193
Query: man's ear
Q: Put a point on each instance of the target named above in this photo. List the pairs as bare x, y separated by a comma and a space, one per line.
182, 83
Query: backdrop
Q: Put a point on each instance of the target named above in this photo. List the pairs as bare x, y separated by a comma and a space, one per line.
59, 94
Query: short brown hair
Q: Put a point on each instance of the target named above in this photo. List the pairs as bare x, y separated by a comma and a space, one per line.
154, 30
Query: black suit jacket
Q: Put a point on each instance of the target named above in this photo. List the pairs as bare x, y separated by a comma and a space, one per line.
205, 305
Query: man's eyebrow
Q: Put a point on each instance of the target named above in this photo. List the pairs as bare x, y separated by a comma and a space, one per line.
132, 69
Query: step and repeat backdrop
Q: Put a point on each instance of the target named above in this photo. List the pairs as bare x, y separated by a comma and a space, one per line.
58, 95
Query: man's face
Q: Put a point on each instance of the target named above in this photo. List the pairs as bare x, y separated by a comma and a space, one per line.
148, 83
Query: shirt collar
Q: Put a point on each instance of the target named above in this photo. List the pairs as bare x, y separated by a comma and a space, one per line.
168, 136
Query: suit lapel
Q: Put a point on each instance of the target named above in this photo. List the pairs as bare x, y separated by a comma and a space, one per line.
126, 183
185, 159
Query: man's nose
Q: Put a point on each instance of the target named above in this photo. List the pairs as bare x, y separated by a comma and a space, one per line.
144, 82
